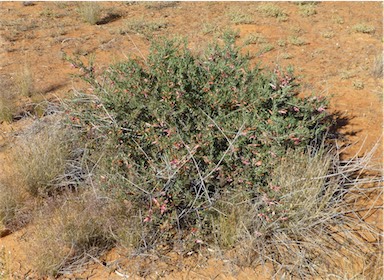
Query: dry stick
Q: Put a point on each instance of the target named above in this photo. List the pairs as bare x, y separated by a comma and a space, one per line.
141, 54
200, 176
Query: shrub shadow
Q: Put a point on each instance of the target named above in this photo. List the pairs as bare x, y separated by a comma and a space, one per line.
339, 121
109, 18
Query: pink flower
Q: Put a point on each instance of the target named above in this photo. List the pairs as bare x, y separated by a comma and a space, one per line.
163, 208
156, 202
296, 140
273, 86
320, 109
275, 188
168, 131
296, 109
147, 219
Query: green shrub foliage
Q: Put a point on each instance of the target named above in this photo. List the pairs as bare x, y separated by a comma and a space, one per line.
185, 132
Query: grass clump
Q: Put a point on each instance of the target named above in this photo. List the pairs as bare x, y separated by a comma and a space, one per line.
70, 231
364, 28
25, 81
254, 39
43, 159
272, 10
7, 106
211, 28
14, 205
358, 84
144, 27
307, 9
239, 17
297, 41
377, 67
313, 202
90, 12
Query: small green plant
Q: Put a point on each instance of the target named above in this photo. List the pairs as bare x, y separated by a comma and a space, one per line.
266, 48
364, 28
297, 41
358, 84
328, 34
307, 10
211, 28
286, 55
239, 17
90, 12
160, 5
338, 19
346, 74
272, 10
281, 43
144, 27
254, 39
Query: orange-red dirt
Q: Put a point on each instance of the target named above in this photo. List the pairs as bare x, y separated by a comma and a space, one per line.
332, 60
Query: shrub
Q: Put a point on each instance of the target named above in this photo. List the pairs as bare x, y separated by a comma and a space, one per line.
183, 132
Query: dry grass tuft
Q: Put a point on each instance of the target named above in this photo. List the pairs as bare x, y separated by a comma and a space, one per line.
25, 81
15, 206
316, 220
74, 229
377, 68
364, 28
90, 12
42, 157
7, 106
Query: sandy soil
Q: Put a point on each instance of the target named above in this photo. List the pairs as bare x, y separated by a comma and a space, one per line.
329, 56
